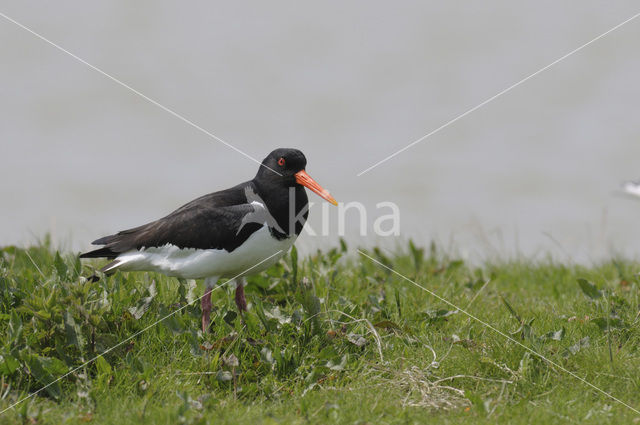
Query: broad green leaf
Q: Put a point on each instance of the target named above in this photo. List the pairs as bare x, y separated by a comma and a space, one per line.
102, 366
105, 341
230, 317
46, 371
8, 364
74, 332
612, 323
54, 365
174, 323
328, 352
589, 289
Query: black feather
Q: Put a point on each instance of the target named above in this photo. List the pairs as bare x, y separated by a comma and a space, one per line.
105, 252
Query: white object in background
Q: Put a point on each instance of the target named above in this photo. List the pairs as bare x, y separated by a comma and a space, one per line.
632, 188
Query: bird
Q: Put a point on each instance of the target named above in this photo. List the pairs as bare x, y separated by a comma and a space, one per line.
631, 188
231, 233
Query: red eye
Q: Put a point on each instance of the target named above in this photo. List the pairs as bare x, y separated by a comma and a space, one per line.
281, 161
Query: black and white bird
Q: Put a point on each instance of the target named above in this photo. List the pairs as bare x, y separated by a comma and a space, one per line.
227, 234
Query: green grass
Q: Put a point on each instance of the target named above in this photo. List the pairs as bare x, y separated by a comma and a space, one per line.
333, 338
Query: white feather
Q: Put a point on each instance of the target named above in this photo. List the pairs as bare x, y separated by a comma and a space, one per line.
191, 263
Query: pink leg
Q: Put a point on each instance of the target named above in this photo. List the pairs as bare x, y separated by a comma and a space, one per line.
206, 309
205, 303
241, 301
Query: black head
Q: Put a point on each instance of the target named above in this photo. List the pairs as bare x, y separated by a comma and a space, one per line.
285, 167
281, 165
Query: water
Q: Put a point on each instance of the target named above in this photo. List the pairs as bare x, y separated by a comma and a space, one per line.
532, 173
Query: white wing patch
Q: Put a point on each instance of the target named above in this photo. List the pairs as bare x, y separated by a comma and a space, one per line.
260, 213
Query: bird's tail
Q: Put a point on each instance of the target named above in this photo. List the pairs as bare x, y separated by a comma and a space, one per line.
104, 252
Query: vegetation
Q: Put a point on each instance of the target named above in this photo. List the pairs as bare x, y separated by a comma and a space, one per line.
333, 338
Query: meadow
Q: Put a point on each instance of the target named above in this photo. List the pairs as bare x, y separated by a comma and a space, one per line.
336, 337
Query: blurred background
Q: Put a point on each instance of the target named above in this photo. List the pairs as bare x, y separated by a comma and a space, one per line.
533, 173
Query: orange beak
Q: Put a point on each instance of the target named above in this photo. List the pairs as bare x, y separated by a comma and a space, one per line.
305, 179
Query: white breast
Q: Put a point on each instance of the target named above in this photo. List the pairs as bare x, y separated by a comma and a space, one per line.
191, 263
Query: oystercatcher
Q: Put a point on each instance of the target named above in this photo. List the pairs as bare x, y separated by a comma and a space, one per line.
222, 234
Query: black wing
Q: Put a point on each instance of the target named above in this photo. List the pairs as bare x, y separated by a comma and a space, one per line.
213, 221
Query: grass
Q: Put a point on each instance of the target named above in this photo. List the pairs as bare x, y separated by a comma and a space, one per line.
332, 338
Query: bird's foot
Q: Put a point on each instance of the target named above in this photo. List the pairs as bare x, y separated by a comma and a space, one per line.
206, 309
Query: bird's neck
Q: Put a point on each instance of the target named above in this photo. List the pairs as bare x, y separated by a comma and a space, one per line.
287, 205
